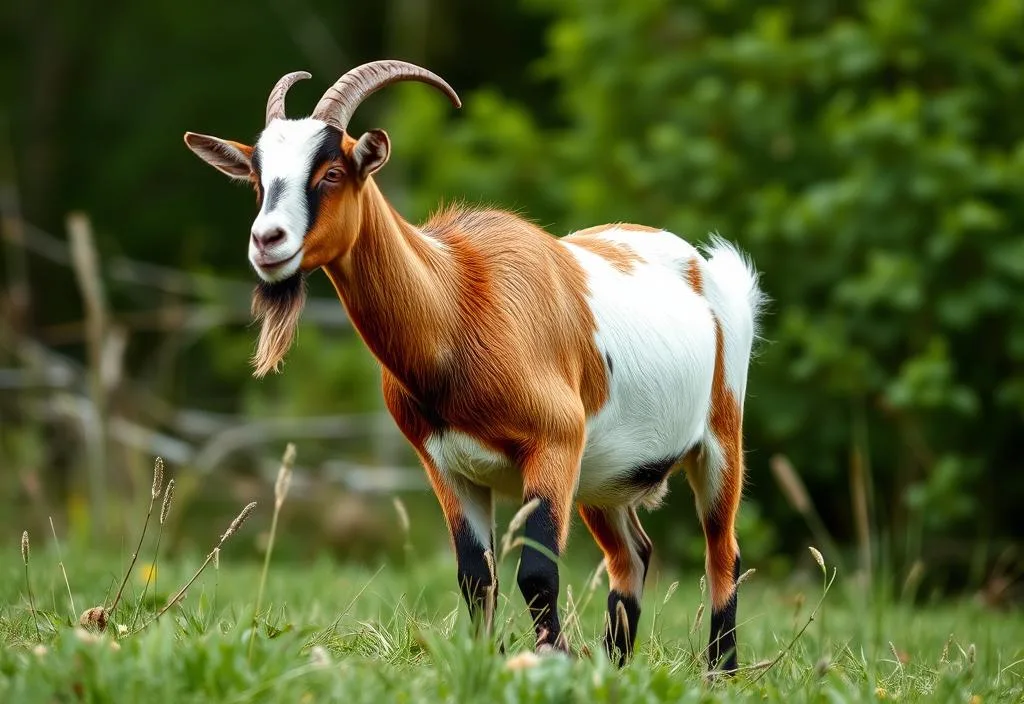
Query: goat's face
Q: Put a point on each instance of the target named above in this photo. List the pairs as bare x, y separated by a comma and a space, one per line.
308, 177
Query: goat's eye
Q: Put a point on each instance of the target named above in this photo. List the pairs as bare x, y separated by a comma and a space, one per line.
333, 175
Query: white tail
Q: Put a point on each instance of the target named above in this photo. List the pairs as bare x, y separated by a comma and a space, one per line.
737, 301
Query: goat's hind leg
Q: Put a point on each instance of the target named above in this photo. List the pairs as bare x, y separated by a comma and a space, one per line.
627, 554
716, 475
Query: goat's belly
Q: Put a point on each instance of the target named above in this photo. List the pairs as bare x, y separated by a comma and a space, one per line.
459, 454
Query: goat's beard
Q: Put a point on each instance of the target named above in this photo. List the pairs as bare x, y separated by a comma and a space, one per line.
277, 306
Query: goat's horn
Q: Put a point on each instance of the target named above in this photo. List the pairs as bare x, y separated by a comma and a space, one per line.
275, 103
342, 99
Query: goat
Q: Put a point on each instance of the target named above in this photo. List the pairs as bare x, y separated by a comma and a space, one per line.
586, 369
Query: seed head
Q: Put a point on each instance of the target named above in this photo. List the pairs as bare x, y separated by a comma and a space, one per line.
698, 619
284, 475
671, 590
24, 547
522, 514
158, 477
817, 556
403, 514
237, 523
168, 498
216, 558
745, 576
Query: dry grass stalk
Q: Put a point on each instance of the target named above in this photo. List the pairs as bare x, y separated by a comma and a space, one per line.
859, 498
490, 594
158, 476
810, 619
816, 554
670, 591
795, 491
745, 576
517, 522
237, 523
284, 478
621, 622
165, 508
232, 529
60, 562
168, 498
28, 584
404, 524
698, 619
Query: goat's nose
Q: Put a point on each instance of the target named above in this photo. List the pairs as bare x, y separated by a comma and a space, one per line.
268, 238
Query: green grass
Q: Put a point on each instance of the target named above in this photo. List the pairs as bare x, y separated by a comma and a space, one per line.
399, 633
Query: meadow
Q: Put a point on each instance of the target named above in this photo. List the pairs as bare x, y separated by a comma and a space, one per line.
396, 630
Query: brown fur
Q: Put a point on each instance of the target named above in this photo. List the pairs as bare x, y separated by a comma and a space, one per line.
618, 556
618, 255
694, 276
481, 324
719, 510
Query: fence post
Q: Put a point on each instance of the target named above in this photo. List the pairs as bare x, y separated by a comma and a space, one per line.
90, 285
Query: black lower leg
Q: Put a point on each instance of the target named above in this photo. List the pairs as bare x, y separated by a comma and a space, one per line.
538, 574
476, 580
620, 629
722, 648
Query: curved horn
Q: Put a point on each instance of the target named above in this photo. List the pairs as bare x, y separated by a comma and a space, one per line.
275, 103
342, 99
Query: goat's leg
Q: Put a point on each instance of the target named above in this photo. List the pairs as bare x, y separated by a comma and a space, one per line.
627, 553
468, 511
717, 480
549, 474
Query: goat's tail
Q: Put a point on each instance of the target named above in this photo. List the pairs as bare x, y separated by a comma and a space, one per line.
736, 300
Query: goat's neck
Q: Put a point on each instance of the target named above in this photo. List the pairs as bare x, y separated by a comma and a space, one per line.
397, 287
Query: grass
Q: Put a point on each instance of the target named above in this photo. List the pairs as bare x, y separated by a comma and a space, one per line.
399, 633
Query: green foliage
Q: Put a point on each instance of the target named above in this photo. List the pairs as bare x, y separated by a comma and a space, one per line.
870, 159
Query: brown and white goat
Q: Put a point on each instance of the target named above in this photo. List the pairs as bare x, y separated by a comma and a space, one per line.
583, 370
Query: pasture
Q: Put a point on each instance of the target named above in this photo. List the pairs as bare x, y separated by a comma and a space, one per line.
398, 631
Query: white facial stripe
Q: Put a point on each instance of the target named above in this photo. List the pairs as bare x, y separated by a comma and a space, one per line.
286, 150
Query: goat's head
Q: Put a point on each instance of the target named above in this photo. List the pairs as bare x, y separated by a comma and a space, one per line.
308, 172
309, 175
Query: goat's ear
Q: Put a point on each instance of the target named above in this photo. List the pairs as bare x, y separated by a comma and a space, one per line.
231, 158
371, 152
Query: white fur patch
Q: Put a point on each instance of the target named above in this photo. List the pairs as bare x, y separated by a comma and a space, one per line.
286, 150
659, 335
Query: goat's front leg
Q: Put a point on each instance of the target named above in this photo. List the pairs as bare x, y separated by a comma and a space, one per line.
468, 511
549, 475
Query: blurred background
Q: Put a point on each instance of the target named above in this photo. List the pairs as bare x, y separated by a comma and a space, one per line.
868, 154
